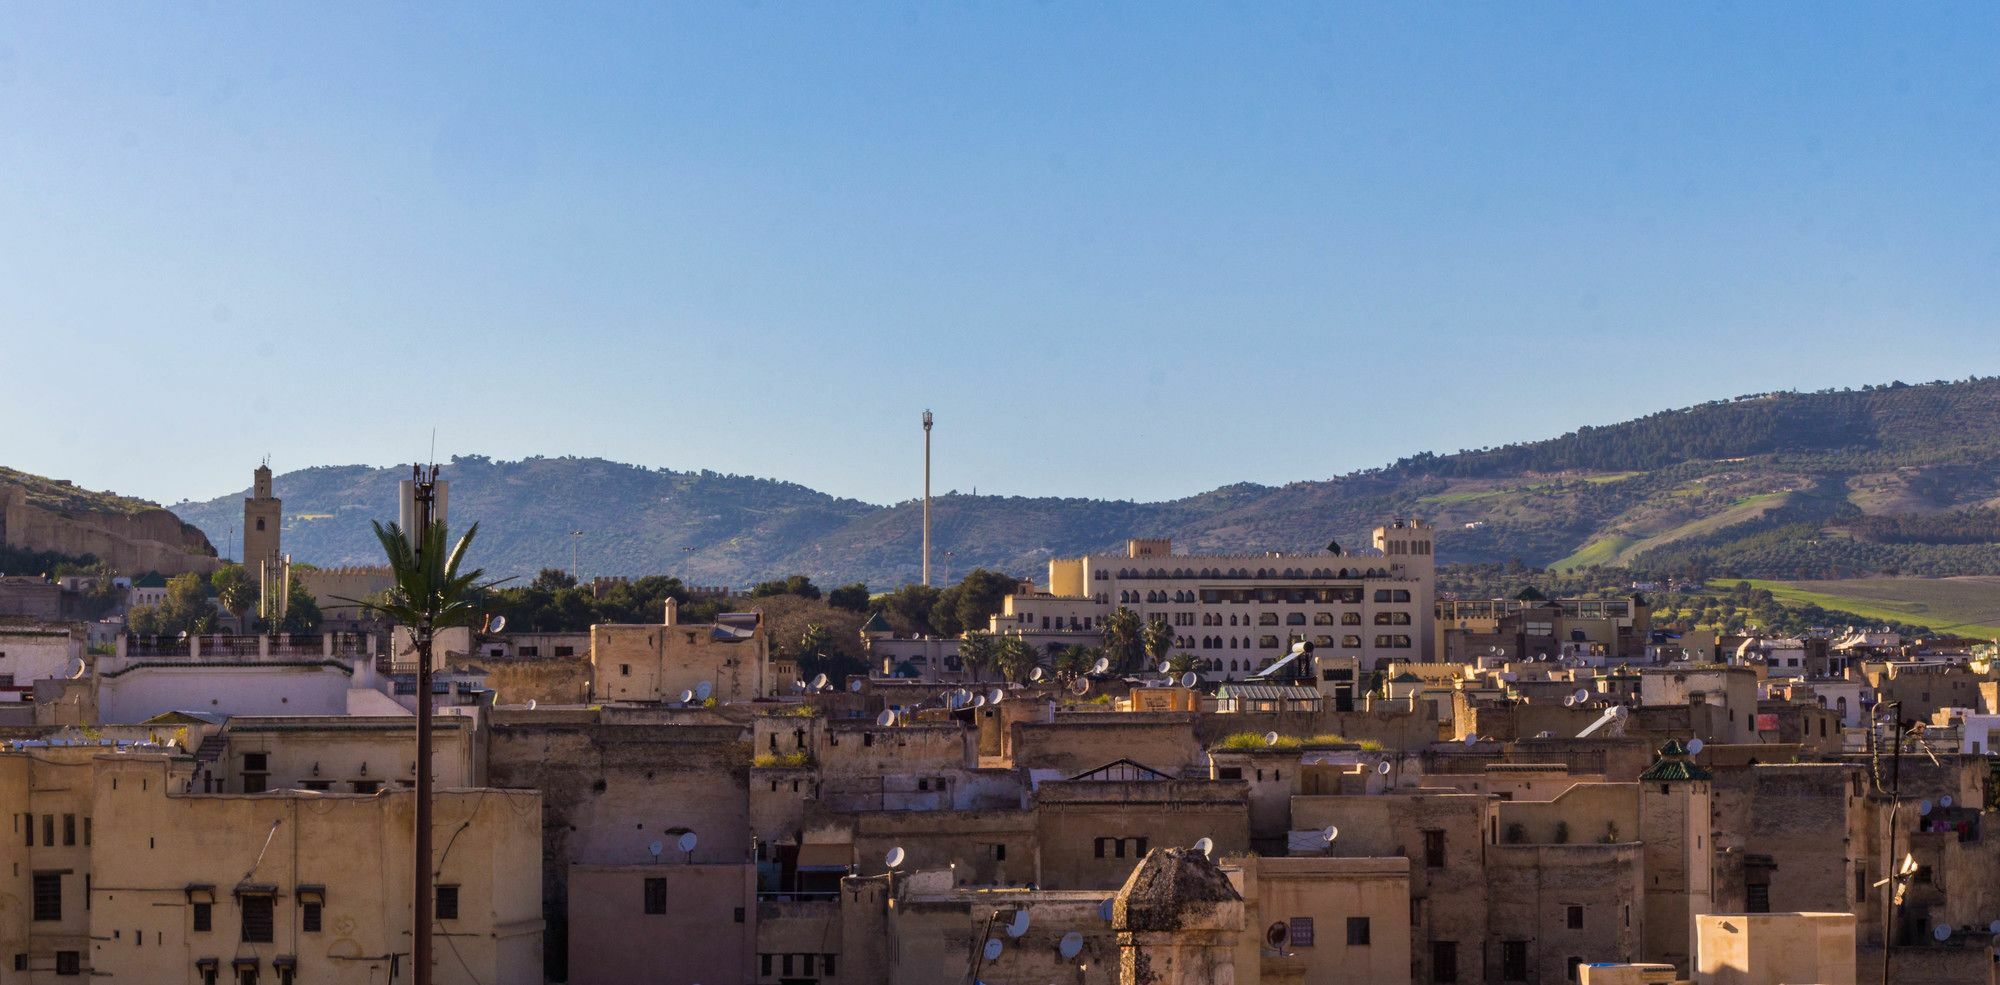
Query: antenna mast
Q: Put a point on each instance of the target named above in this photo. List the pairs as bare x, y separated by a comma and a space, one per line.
927, 499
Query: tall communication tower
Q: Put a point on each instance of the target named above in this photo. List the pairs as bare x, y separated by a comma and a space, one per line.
927, 498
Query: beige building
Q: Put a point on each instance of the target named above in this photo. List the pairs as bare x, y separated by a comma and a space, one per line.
1774, 948
122, 875
658, 663
1309, 920
1241, 613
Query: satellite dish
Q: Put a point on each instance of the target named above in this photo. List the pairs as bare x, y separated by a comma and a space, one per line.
655, 849
1035, 675
979, 701
1944, 801
686, 696
1166, 667
993, 949
1270, 738
1941, 933
798, 685
1206, 846
1382, 767
854, 686
1695, 747
1331, 832
1569, 701
1104, 910
703, 690
1274, 935
1472, 740
1993, 928
1190, 679
894, 859
1019, 925
496, 624
995, 696
886, 718
532, 703
74, 669
1070, 946
1581, 695
819, 682
1924, 807
1103, 664
1080, 688
686, 843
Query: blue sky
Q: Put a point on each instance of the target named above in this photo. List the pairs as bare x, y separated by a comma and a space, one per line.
1125, 251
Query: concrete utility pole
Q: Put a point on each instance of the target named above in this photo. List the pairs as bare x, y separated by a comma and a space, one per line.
927, 499
425, 482
574, 537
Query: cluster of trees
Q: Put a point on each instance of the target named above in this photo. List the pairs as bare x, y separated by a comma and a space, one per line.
554, 603
194, 605
1130, 646
1976, 526
852, 597
952, 610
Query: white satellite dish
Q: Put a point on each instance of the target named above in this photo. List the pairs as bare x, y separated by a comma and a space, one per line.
798, 685
1331, 832
703, 690
1569, 701
1270, 738
1382, 767
1019, 925
1941, 933
686, 696
1924, 807
1104, 910
1206, 846
1695, 747
1035, 675
655, 849
1581, 695
1080, 688
74, 669
1944, 801
1472, 740
854, 686
1070, 946
979, 701
1190, 679
894, 859
1103, 664
995, 696
1993, 928
886, 718
532, 703
1166, 667
686, 842
993, 949
496, 624
819, 682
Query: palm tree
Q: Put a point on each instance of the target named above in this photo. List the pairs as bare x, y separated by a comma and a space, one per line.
1123, 641
1015, 658
1075, 661
977, 650
429, 593
1159, 639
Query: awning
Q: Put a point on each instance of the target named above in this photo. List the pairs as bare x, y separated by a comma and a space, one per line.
825, 857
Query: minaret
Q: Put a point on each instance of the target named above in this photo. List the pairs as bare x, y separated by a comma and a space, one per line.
263, 558
927, 498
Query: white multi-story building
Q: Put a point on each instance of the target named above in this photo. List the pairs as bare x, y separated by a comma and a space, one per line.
1241, 613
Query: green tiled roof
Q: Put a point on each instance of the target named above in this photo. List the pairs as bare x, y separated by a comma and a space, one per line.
1674, 765
876, 624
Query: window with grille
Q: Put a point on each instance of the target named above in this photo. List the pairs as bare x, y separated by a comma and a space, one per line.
1357, 931
1444, 961
656, 896
309, 917
1513, 961
257, 918
447, 902
69, 963
204, 917
48, 896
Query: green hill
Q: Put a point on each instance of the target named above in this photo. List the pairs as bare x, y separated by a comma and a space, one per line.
1790, 486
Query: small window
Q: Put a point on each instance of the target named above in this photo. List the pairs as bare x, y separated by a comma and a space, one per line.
69, 829
1299, 932
48, 896
1229, 773
447, 902
204, 918
1513, 961
998, 852
309, 919
1433, 849
1574, 916
256, 762
1357, 931
625, 670
253, 783
257, 921
1570, 966
69, 963
367, 786
656, 897
1444, 961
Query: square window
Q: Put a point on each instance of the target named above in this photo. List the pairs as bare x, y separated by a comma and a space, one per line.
1299, 931
1357, 931
447, 902
69, 963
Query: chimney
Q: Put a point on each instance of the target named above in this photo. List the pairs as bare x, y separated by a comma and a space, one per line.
673, 611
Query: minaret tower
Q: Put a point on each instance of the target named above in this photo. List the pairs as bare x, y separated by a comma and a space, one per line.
261, 513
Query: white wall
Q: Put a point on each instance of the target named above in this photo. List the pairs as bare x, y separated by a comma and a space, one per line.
141, 693
34, 653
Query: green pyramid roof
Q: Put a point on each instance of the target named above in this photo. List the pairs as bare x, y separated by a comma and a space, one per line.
876, 624
1674, 765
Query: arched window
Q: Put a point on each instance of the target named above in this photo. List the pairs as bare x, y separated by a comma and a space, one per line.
260, 523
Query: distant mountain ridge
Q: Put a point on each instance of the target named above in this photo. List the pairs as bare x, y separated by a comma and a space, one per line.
1776, 485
